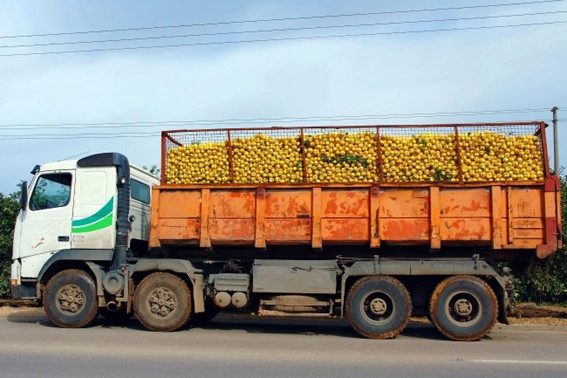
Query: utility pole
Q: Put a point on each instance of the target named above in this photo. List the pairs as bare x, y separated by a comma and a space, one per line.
555, 142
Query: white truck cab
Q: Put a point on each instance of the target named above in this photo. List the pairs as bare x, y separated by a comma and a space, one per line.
71, 210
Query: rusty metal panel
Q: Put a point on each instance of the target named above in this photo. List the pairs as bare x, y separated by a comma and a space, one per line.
466, 229
528, 223
205, 240
232, 203
374, 219
292, 203
178, 229
523, 244
316, 237
528, 233
497, 218
260, 231
155, 216
284, 231
470, 202
404, 203
180, 204
223, 231
345, 203
527, 202
345, 230
402, 230
507, 216
435, 217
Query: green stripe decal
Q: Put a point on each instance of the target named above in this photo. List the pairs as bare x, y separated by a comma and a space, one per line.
97, 221
104, 222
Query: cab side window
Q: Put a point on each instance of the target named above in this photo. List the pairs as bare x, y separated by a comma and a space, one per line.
51, 191
140, 191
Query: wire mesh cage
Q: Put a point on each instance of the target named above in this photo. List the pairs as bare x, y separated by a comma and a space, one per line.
345, 155
356, 154
502, 153
267, 156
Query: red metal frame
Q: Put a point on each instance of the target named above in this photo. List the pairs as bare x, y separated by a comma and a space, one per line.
546, 171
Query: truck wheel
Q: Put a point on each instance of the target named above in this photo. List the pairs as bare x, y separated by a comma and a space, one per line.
378, 307
463, 308
70, 299
162, 302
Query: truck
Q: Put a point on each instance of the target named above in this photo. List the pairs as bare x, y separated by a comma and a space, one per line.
365, 223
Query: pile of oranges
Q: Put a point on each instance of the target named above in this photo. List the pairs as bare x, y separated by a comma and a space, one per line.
341, 157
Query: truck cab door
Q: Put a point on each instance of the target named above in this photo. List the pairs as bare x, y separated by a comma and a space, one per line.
46, 223
94, 215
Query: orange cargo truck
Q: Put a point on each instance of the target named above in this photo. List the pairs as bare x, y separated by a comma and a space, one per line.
370, 223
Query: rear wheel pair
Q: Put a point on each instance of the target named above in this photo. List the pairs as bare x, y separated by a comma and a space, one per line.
462, 308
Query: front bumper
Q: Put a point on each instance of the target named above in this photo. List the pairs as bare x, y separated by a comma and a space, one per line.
24, 291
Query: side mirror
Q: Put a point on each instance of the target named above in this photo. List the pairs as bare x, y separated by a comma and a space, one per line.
24, 195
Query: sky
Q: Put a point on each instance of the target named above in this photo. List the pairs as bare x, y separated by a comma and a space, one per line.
68, 105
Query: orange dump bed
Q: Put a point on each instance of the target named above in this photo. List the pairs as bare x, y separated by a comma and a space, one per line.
502, 217
448, 200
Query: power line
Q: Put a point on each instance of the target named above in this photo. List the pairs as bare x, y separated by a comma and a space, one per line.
326, 27
244, 121
218, 23
143, 134
195, 44
132, 135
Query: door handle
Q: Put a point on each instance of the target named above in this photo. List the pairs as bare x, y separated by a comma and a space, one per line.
63, 238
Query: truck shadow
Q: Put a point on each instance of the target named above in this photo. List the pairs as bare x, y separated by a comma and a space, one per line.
312, 327
249, 324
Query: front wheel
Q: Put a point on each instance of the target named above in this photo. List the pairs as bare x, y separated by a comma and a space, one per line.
378, 307
70, 299
463, 308
162, 302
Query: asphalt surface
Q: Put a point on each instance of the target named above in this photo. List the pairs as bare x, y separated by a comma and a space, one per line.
30, 346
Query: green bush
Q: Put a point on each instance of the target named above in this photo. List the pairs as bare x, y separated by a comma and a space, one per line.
9, 207
546, 281
4, 279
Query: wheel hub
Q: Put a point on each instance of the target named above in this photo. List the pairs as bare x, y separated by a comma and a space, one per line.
378, 306
162, 302
70, 299
463, 307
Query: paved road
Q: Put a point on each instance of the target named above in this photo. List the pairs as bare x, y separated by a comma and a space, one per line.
30, 346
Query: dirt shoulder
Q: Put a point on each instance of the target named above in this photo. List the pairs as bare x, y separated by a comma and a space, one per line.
534, 314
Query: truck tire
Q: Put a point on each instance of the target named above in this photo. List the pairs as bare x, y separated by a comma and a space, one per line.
378, 307
70, 299
463, 308
162, 302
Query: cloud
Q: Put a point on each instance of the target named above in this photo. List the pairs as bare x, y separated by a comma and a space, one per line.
493, 69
